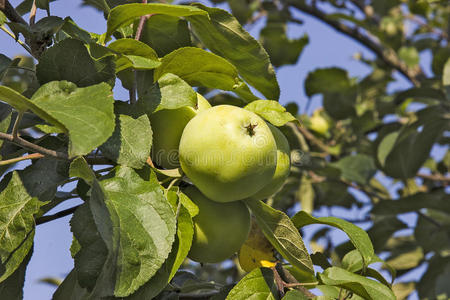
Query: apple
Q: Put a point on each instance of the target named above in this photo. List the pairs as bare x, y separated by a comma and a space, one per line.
220, 229
167, 126
318, 123
229, 153
283, 166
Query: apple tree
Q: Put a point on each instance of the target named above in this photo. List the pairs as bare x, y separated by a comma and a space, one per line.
200, 184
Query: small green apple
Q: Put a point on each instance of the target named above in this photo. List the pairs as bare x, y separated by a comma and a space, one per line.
229, 153
220, 229
167, 126
283, 166
318, 123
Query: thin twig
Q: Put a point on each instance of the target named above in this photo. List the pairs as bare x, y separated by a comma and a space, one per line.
306, 133
33, 13
434, 177
388, 55
12, 14
17, 159
25, 46
33, 147
15, 130
57, 215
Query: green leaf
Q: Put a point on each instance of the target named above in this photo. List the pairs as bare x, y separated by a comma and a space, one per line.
70, 60
329, 80
431, 237
359, 168
259, 284
223, 35
92, 254
134, 54
17, 210
86, 113
166, 33
437, 199
282, 234
69, 289
358, 237
130, 143
5, 119
169, 92
409, 55
434, 283
362, 286
125, 14
295, 295
422, 94
71, 28
271, 111
5, 63
402, 153
79, 168
137, 225
12, 287
201, 68
23, 104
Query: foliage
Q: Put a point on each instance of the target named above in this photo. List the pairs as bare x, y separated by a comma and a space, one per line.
373, 152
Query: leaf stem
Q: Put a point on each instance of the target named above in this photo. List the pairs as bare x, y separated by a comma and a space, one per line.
33, 13
15, 130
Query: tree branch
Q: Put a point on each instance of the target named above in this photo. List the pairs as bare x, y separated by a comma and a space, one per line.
387, 55
17, 159
57, 215
11, 13
33, 147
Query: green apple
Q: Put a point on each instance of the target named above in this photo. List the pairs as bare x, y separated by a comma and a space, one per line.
220, 229
167, 126
318, 123
229, 153
283, 166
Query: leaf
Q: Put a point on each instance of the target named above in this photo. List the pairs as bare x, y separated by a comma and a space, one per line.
135, 54
69, 289
434, 283
409, 55
359, 168
70, 60
86, 113
17, 210
130, 143
295, 295
437, 199
12, 287
223, 35
166, 33
422, 94
329, 80
271, 111
71, 28
201, 68
362, 286
358, 237
282, 234
79, 168
5, 119
403, 153
137, 226
258, 284
125, 14
169, 92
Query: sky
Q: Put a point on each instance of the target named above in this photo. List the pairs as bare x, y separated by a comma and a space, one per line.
326, 48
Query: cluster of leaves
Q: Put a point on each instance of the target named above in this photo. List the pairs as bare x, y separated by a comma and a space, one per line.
134, 229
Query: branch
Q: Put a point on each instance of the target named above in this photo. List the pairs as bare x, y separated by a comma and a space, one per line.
313, 139
387, 55
17, 159
33, 147
57, 215
435, 177
11, 13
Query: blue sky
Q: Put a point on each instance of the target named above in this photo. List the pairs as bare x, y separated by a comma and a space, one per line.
327, 48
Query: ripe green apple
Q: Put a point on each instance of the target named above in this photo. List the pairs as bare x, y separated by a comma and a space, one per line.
283, 166
167, 126
220, 229
229, 153
318, 123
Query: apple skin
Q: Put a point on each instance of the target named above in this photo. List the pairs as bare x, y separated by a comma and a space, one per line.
318, 123
167, 126
283, 166
223, 157
220, 229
